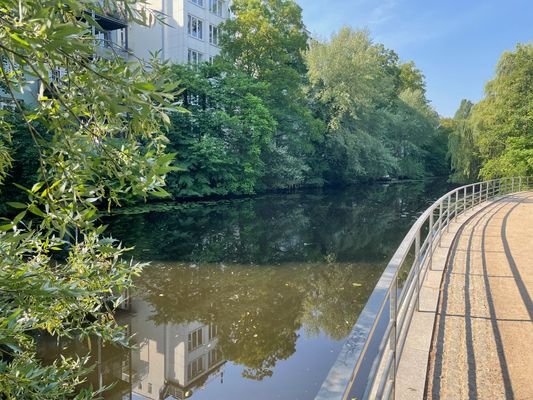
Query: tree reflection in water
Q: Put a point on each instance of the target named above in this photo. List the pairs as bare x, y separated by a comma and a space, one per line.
259, 311
256, 278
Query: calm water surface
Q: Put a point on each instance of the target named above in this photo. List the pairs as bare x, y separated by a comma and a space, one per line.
252, 299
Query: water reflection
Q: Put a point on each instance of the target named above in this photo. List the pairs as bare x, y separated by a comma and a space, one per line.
191, 322
259, 311
251, 298
171, 360
348, 225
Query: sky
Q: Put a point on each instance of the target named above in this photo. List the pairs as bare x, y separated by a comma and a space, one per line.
456, 44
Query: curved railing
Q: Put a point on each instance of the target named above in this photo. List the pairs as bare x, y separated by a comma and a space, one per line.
366, 367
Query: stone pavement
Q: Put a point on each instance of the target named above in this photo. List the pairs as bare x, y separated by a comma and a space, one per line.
482, 345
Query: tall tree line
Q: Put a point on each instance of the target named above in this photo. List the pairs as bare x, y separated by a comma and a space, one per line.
494, 138
278, 109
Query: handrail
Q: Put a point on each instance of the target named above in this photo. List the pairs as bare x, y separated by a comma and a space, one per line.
366, 367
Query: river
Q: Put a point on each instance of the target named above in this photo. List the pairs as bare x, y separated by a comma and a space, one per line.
251, 298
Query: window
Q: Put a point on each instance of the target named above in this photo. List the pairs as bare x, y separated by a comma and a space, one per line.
213, 331
193, 99
7, 104
195, 368
150, 388
211, 59
213, 357
216, 7
214, 34
195, 27
194, 57
123, 38
195, 339
57, 74
103, 39
198, 2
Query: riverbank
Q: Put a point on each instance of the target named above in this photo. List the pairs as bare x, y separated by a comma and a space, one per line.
161, 205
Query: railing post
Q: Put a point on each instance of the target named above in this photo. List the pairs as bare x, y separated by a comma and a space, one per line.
464, 199
418, 268
512, 184
520, 184
393, 334
456, 201
448, 213
440, 221
99, 364
431, 227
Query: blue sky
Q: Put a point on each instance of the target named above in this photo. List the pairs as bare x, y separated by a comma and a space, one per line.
455, 43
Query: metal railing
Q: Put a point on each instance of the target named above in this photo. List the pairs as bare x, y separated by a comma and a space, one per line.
366, 368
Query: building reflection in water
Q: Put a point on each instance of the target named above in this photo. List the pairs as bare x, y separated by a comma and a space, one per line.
170, 360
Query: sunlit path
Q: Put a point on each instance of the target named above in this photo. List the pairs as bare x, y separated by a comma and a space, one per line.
484, 329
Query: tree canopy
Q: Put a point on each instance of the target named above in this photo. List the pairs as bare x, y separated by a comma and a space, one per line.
494, 138
379, 120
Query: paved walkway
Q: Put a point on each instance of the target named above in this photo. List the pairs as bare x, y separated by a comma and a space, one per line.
482, 344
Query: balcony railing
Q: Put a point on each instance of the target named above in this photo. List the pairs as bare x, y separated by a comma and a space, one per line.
110, 19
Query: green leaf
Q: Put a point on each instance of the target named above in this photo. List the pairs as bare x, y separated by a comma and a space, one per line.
160, 193
35, 210
6, 227
16, 37
16, 204
36, 187
144, 86
19, 217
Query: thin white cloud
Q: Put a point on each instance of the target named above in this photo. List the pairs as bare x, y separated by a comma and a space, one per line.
382, 13
427, 26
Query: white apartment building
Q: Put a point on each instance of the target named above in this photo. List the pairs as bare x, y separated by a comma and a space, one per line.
191, 33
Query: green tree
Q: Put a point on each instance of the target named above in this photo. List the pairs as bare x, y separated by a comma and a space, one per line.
463, 149
379, 120
223, 136
99, 141
348, 77
266, 39
410, 77
501, 121
350, 82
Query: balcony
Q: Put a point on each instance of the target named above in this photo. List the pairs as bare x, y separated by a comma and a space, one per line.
110, 22
110, 19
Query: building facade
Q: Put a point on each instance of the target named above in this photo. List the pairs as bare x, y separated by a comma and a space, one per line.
190, 33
